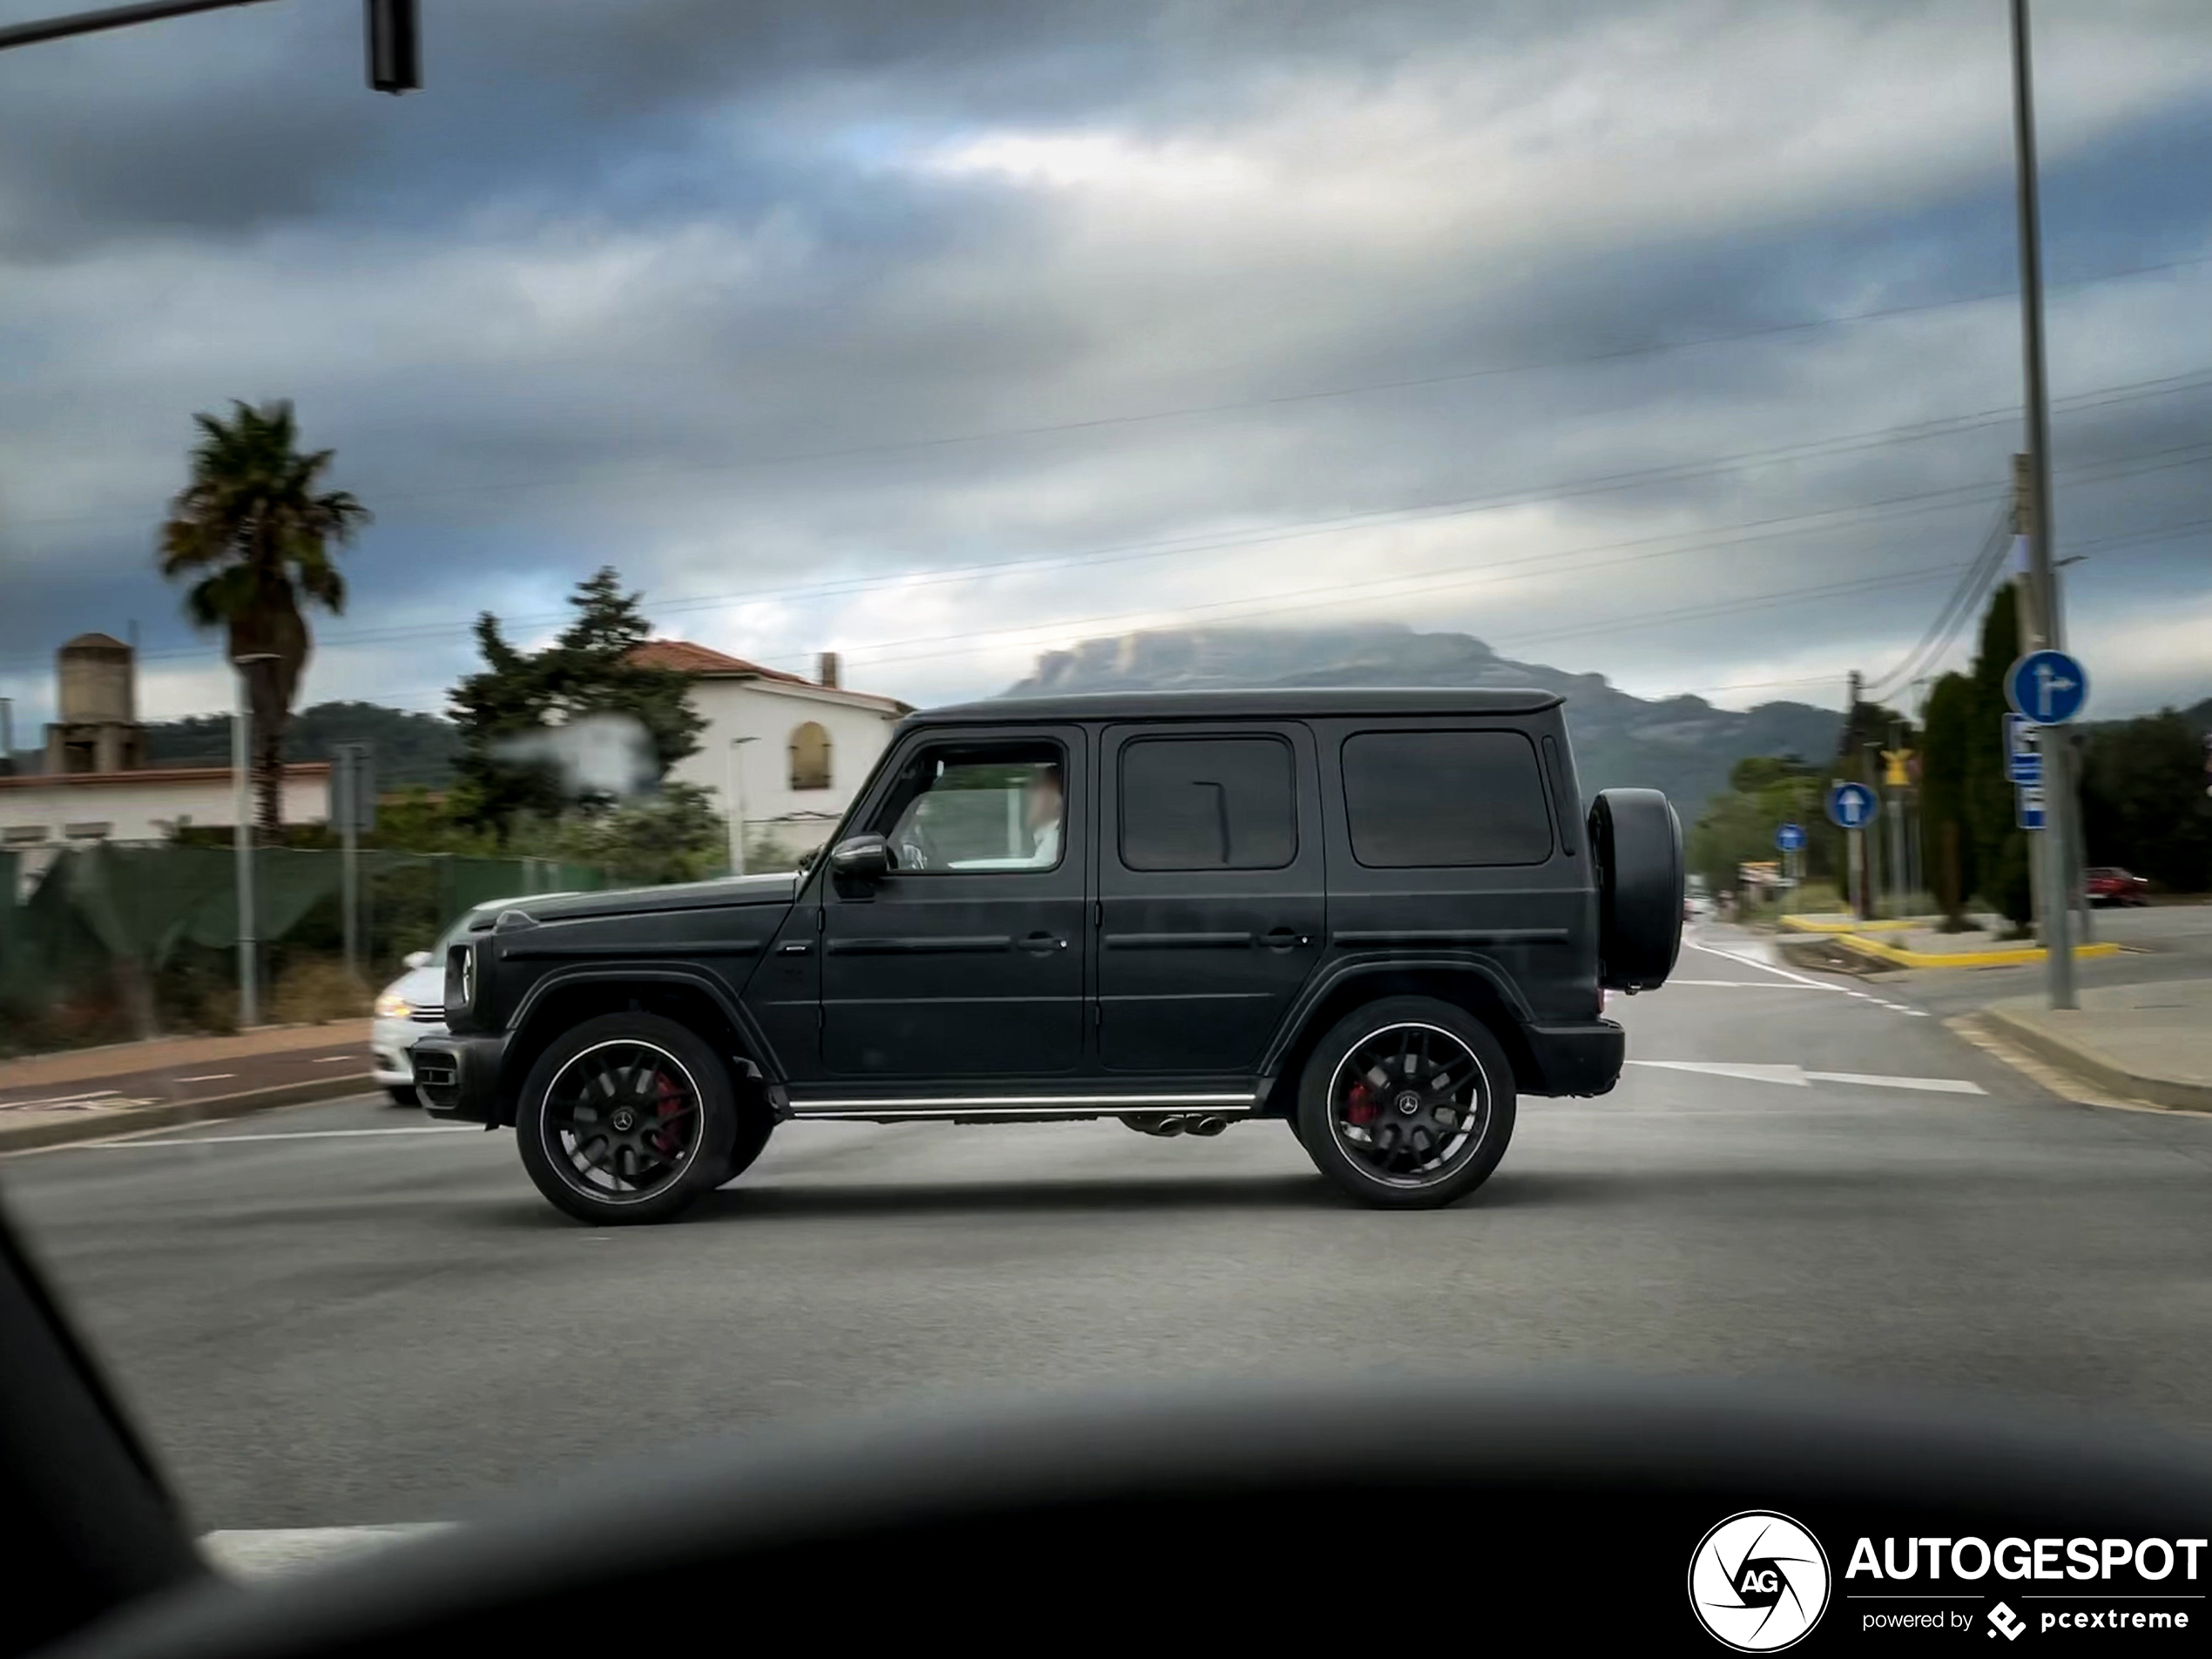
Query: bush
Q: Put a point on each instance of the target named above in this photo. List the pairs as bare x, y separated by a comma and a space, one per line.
313, 989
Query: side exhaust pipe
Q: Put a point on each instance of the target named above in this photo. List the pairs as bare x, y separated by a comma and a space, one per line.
1208, 1126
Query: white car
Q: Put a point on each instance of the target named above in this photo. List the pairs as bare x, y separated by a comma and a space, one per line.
413, 1006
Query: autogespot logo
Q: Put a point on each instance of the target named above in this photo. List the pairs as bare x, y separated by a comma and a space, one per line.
1758, 1582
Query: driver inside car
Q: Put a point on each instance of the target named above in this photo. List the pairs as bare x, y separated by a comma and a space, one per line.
1042, 804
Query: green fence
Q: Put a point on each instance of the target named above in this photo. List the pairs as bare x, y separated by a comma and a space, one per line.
121, 941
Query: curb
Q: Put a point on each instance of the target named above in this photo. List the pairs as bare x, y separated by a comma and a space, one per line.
27, 1137
1850, 924
2085, 1062
2012, 957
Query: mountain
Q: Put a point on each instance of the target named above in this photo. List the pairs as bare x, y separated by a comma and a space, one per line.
410, 748
1681, 744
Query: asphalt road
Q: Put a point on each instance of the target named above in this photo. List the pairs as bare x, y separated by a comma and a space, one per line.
340, 1328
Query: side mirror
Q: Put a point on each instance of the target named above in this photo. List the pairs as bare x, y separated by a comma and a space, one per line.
861, 858
418, 959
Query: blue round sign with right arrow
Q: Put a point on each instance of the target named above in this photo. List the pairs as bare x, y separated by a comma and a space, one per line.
2048, 687
1851, 805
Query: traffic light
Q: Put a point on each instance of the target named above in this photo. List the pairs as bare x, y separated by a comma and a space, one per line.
394, 45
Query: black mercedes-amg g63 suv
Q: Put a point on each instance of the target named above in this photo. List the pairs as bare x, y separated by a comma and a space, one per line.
1382, 915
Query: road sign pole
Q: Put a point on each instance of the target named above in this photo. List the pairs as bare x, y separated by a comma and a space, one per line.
2058, 840
349, 866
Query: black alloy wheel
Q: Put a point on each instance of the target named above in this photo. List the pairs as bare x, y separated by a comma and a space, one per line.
628, 1118
1408, 1103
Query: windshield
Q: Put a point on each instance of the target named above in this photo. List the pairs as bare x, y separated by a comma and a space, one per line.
1450, 689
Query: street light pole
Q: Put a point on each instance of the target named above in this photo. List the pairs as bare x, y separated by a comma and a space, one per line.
2056, 838
249, 991
736, 805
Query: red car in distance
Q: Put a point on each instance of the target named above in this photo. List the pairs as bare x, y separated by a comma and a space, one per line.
2109, 884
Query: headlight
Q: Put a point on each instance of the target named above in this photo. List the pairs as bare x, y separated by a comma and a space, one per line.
389, 1007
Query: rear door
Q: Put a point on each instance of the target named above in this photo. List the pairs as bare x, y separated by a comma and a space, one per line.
1210, 892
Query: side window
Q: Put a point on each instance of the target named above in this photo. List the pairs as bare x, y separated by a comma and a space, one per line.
974, 808
1416, 800
1207, 804
810, 757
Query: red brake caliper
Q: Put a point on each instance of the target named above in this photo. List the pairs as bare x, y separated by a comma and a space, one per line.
668, 1100
1360, 1106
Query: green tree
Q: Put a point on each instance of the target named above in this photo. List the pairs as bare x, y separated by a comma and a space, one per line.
1738, 827
2143, 801
2001, 859
1946, 748
674, 836
256, 529
589, 668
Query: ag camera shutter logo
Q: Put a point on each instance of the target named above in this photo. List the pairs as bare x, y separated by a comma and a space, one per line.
1758, 1582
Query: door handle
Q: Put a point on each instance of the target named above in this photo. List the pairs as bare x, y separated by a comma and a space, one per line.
1286, 939
1043, 944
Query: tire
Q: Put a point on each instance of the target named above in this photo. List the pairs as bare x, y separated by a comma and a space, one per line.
755, 1124
1343, 1145
585, 1121
1636, 842
403, 1094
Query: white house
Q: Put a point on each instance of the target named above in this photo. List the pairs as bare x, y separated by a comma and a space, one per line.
42, 812
789, 753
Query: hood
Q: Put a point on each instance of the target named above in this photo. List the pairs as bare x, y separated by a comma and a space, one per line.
779, 888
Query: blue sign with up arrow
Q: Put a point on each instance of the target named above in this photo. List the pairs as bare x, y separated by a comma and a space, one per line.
2048, 687
1790, 838
1851, 805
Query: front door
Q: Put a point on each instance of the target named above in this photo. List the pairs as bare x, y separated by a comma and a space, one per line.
1212, 893
967, 959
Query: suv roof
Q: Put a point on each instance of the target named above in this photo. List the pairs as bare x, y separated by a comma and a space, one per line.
1277, 701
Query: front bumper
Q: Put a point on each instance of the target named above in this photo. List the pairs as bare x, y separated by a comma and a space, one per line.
1579, 1058
391, 1048
460, 1076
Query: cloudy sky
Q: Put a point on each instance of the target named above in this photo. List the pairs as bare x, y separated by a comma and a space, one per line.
1671, 342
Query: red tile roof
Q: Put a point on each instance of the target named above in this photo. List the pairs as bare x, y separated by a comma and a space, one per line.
687, 659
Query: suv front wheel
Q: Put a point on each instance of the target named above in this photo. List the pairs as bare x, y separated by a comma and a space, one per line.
628, 1118
1408, 1103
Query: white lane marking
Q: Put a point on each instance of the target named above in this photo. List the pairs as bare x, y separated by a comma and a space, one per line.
1793, 1075
208, 1077
67, 1100
1798, 1077
340, 1059
1799, 979
294, 1135
266, 1552
1936, 1085
1742, 984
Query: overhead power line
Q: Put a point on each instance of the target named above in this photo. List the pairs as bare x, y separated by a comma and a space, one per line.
1964, 601
1558, 490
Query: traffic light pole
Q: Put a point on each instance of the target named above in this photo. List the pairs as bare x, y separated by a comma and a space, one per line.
92, 22
394, 33
2056, 838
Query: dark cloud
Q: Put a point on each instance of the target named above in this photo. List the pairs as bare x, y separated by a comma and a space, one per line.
777, 306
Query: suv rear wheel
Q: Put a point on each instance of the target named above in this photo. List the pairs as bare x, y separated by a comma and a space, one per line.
627, 1118
1408, 1103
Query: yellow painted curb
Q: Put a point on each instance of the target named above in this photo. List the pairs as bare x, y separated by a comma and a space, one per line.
1851, 924
2011, 956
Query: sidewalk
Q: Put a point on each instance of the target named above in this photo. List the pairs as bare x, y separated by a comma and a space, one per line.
2151, 1042
87, 1094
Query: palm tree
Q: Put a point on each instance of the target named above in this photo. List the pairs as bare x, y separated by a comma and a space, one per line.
258, 531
